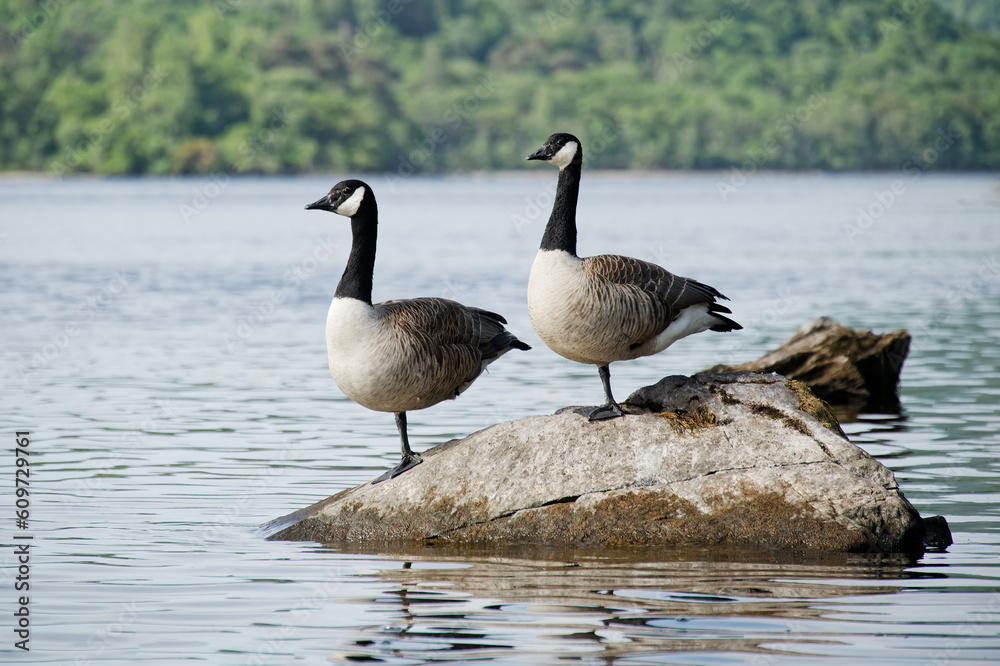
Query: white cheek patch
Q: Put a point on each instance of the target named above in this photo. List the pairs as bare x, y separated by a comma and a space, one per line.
565, 155
351, 205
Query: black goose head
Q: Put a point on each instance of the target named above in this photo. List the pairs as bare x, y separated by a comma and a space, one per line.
346, 198
560, 149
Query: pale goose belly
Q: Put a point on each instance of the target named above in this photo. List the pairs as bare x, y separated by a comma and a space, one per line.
375, 368
584, 323
572, 317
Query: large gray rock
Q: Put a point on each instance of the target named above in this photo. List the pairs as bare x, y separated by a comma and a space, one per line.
858, 370
738, 459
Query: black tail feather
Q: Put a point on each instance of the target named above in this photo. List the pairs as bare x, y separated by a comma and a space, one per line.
725, 323
500, 343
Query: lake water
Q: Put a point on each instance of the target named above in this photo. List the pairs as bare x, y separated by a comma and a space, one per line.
163, 343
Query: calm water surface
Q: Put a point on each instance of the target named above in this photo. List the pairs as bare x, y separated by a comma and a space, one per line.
163, 342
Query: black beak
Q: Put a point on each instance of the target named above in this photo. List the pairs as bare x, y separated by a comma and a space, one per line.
321, 204
538, 155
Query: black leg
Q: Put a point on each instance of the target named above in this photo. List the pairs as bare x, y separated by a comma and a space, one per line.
410, 459
610, 409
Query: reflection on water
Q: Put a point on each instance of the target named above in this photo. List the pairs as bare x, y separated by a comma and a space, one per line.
614, 606
173, 376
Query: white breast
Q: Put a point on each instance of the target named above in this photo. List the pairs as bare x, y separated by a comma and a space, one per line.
560, 304
554, 274
351, 332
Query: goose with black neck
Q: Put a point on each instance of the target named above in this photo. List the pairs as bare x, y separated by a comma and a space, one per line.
606, 308
401, 355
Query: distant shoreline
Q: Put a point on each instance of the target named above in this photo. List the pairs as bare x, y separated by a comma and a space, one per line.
505, 173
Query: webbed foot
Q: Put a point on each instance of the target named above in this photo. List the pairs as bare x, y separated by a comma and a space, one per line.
602, 413
407, 463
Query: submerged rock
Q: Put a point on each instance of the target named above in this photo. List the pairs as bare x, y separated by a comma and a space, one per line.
856, 369
736, 459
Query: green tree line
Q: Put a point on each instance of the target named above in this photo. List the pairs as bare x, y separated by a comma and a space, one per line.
403, 86
981, 14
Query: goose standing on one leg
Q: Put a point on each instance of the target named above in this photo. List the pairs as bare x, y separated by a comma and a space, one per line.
398, 356
607, 308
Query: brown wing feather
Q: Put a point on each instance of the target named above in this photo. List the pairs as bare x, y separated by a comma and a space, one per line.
443, 322
648, 290
450, 339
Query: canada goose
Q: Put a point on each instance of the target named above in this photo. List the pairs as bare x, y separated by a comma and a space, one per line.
398, 356
607, 308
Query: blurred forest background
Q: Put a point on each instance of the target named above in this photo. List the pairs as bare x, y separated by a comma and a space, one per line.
401, 86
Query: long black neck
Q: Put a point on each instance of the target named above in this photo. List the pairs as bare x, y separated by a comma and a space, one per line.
560, 232
356, 282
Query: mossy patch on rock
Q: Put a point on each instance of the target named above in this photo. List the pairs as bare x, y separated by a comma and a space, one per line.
768, 411
814, 407
750, 517
685, 423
